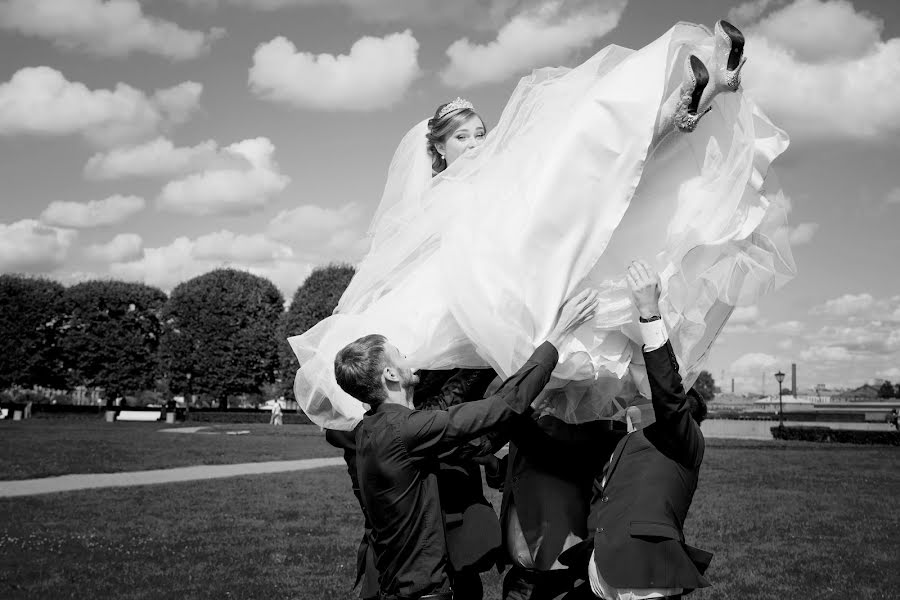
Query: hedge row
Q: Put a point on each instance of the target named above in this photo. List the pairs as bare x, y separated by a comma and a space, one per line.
822, 417
290, 418
840, 436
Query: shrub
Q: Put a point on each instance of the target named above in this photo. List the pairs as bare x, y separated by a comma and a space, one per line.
244, 416
840, 436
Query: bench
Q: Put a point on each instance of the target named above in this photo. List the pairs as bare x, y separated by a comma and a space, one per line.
138, 415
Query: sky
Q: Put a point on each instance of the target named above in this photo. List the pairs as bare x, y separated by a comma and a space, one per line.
155, 141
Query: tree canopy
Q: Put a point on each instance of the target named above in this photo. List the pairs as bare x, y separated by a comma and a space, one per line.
705, 385
30, 310
313, 301
221, 334
110, 335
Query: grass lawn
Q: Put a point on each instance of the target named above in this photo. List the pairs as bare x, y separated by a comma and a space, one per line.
785, 520
45, 447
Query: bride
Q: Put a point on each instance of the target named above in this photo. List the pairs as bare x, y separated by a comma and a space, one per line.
481, 236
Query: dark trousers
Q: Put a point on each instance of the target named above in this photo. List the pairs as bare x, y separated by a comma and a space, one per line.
526, 584
467, 585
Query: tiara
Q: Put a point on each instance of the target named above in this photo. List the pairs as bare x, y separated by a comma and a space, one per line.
457, 104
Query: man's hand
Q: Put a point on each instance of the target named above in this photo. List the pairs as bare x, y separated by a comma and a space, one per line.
644, 283
542, 405
574, 313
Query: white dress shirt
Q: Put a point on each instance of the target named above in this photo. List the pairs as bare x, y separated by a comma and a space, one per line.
655, 336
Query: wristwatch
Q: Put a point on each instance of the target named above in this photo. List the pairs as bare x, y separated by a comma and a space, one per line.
650, 320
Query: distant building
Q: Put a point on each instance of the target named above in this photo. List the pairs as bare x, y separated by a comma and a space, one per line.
864, 393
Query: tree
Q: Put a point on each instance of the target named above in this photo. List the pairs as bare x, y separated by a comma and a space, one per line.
886, 390
221, 335
705, 385
111, 335
313, 301
30, 311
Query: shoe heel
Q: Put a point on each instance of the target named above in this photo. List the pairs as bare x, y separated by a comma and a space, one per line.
737, 44
701, 80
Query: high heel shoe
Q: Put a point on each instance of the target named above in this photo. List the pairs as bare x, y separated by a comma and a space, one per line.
690, 106
729, 39
727, 61
682, 109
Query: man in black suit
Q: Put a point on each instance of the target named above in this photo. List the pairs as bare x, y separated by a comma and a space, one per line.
546, 499
473, 531
398, 450
642, 498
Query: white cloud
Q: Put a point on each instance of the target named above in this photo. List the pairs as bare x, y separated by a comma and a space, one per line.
787, 327
155, 158
310, 223
104, 27
95, 213
167, 266
848, 304
755, 362
227, 246
41, 101
745, 314
820, 31
863, 339
474, 14
538, 36
29, 246
180, 101
229, 189
294, 242
803, 233
890, 373
748, 11
123, 247
375, 74
822, 71
826, 354
785, 344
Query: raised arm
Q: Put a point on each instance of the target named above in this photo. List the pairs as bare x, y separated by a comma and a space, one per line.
675, 425
429, 432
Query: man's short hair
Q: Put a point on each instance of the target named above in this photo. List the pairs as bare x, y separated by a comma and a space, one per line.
697, 404
358, 367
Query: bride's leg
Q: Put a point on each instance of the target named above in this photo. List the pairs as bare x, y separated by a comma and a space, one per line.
681, 110
726, 63
693, 99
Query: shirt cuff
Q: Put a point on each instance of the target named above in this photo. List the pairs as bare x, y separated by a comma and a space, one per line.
546, 354
654, 334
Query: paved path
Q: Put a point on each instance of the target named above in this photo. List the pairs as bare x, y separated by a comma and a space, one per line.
68, 483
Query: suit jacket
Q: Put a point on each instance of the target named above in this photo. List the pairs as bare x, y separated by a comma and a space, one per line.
398, 450
638, 517
366, 572
551, 466
473, 531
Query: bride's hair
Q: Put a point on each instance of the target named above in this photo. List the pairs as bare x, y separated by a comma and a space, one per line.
441, 128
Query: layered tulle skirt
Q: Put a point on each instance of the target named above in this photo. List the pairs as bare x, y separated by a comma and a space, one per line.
568, 188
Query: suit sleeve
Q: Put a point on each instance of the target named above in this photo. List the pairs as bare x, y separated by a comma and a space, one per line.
430, 432
670, 405
465, 385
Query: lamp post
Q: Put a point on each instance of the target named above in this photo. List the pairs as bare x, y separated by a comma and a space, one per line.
779, 377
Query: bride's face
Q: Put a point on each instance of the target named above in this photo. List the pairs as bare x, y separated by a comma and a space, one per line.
468, 135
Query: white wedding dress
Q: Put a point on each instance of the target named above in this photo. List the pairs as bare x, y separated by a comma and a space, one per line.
469, 268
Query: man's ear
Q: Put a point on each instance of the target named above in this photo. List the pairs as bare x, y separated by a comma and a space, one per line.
391, 374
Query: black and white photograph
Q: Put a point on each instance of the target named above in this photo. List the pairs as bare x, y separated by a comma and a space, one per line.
450, 299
